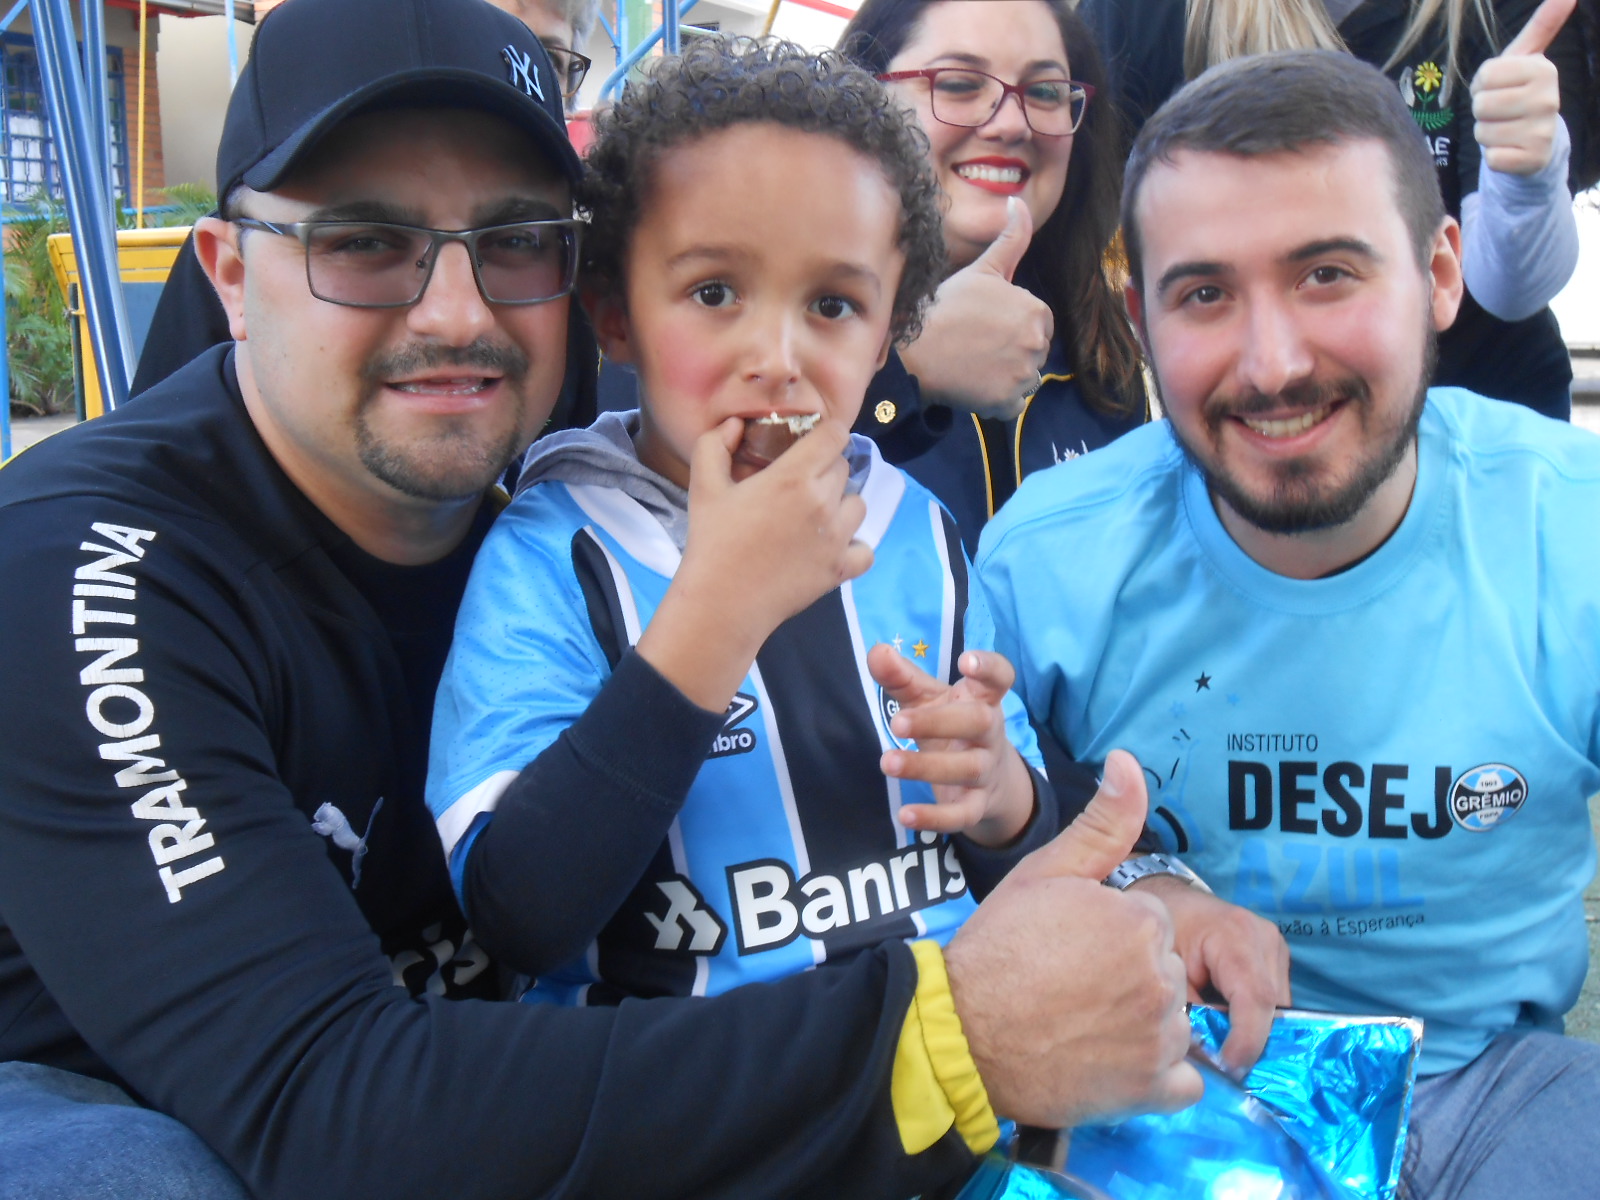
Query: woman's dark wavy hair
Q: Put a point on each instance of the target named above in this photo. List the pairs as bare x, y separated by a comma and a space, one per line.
721, 82
1066, 260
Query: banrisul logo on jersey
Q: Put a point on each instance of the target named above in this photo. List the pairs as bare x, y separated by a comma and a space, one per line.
772, 907
1487, 796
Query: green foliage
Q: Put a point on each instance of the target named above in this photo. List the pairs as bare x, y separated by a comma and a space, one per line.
183, 204
38, 337
38, 340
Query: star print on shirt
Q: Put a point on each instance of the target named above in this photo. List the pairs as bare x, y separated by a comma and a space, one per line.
919, 648
1203, 683
897, 641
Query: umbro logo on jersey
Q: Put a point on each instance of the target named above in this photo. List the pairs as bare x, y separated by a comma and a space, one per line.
732, 740
687, 916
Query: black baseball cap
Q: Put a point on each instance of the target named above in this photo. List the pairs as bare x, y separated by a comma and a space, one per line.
316, 63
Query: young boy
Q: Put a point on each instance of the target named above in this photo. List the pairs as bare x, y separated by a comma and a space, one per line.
763, 227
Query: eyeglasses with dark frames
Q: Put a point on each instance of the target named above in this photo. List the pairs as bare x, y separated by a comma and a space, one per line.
373, 264
571, 67
969, 99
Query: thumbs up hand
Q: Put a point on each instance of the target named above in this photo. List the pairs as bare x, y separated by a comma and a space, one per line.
1005, 253
1069, 992
984, 340
1516, 97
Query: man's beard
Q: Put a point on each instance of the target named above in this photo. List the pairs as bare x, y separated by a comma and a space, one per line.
454, 463
1295, 502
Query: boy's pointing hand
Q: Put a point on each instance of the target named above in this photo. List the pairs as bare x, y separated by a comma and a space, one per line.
981, 785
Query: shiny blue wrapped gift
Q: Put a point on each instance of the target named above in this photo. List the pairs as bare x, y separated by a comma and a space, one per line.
1324, 1118
1341, 1086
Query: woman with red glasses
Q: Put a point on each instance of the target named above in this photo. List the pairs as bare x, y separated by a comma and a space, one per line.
1026, 352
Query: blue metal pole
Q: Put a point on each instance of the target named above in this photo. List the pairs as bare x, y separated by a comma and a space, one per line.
17, 10
97, 111
5, 373
671, 42
621, 39
614, 80
233, 45
5, 343
94, 239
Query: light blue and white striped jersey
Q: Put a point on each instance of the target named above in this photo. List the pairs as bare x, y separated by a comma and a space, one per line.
787, 850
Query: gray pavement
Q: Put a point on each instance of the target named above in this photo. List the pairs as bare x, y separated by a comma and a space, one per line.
27, 431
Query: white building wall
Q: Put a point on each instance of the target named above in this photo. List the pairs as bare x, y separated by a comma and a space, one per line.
193, 65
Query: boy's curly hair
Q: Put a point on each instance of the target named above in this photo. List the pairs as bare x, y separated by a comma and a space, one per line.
720, 82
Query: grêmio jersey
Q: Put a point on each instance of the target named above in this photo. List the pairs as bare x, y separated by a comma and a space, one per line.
787, 851
1392, 762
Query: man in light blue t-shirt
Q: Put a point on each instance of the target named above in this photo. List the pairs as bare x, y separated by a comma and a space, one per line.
1349, 626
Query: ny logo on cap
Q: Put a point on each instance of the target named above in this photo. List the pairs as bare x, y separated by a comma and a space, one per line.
524, 74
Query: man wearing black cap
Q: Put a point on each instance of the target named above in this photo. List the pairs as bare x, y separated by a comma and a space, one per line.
189, 320
227, 606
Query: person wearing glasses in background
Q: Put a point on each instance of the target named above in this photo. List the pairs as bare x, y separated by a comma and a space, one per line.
561, 26
189, 320
1026, 341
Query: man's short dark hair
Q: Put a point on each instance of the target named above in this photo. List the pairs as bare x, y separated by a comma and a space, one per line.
719, 83
1281, 103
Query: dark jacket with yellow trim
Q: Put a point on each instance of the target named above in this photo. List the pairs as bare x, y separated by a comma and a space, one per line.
975, 466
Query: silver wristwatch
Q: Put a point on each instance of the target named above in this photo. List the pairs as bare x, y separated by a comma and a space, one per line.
1131, 870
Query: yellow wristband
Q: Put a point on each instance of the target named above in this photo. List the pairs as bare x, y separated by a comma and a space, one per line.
935, 1083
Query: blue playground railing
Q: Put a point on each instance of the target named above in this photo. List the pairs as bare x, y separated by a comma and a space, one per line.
667, 33
75, 103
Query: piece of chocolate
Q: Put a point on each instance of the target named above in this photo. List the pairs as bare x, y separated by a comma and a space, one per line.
767, 437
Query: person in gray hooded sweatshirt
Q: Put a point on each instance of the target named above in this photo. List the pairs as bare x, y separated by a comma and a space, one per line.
755, 323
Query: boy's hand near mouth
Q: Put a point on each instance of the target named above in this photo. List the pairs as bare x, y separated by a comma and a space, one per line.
786, 533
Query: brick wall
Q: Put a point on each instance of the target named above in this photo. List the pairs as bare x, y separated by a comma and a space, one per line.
154, 165
122, 31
